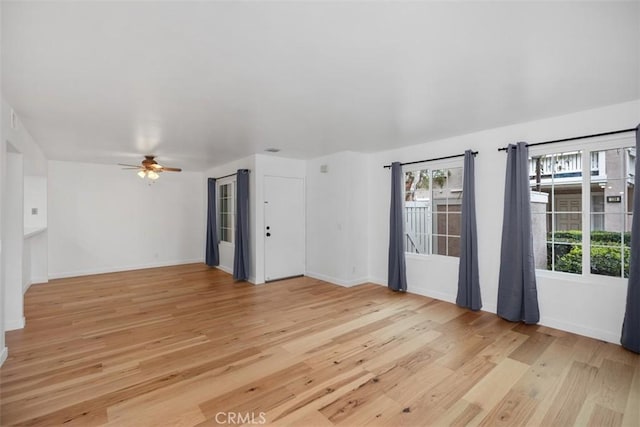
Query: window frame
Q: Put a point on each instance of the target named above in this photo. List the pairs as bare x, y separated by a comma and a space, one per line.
231, 181
431, 166
586, 146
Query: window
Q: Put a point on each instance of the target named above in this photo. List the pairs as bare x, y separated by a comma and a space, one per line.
432, 210
581, 204
226, 212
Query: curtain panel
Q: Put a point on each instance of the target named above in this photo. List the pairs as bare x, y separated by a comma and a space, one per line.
517, 291
468, 276
397, 275
241, 253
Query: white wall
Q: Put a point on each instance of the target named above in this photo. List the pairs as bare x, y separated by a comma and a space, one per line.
337, 218
103, 218
35, 196
589, 307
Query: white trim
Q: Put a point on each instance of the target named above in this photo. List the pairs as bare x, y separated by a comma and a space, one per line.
335, 280
118, 269
224, 268
12, 325
377, 281
3, 355
39, 280
32, 231
599, 334
229, 270
441, 296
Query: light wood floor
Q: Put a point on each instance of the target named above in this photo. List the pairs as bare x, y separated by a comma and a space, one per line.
188, 346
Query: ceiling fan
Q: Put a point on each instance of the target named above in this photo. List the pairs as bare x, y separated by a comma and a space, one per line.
149, 168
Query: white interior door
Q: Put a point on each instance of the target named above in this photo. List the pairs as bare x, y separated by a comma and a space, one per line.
284, 223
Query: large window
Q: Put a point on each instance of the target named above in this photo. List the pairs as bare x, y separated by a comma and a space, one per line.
432, 211
581, 205
225, 212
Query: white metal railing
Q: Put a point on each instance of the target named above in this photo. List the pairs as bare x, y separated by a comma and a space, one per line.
417, 229
567, 165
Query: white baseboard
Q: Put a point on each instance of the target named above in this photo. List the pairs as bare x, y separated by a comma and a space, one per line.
103, 270
225, 269
377, 281
598, 334
39, 280
335, 280
3, 355
12, 325
442, 296
229, 270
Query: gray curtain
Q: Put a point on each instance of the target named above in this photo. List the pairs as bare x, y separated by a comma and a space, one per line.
517, 293
631, 326
397, 279
212, 257
468, 276
241, 255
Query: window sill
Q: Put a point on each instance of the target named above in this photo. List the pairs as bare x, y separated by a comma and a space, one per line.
32, 231
423, 257
586, 279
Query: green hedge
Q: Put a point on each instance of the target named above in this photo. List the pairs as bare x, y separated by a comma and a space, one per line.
604, 238
605, 259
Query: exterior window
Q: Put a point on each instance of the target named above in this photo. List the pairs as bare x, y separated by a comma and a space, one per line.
225, 212
433, 202
564, 229
556, 210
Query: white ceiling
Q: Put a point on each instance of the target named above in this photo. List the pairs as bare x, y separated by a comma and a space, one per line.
202, 83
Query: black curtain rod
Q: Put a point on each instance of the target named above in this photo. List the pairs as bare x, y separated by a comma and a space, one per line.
576, 138
432, 160
231, 174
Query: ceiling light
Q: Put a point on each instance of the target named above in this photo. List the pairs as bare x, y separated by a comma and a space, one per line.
142, 174
152, 175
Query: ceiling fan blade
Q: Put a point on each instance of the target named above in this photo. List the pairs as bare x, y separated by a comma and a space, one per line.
166, 169
131, 166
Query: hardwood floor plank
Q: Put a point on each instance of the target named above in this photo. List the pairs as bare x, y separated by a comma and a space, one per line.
571, 396
180, 345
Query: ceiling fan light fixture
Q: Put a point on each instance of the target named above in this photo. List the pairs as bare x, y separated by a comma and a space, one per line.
152, 175
142, 174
